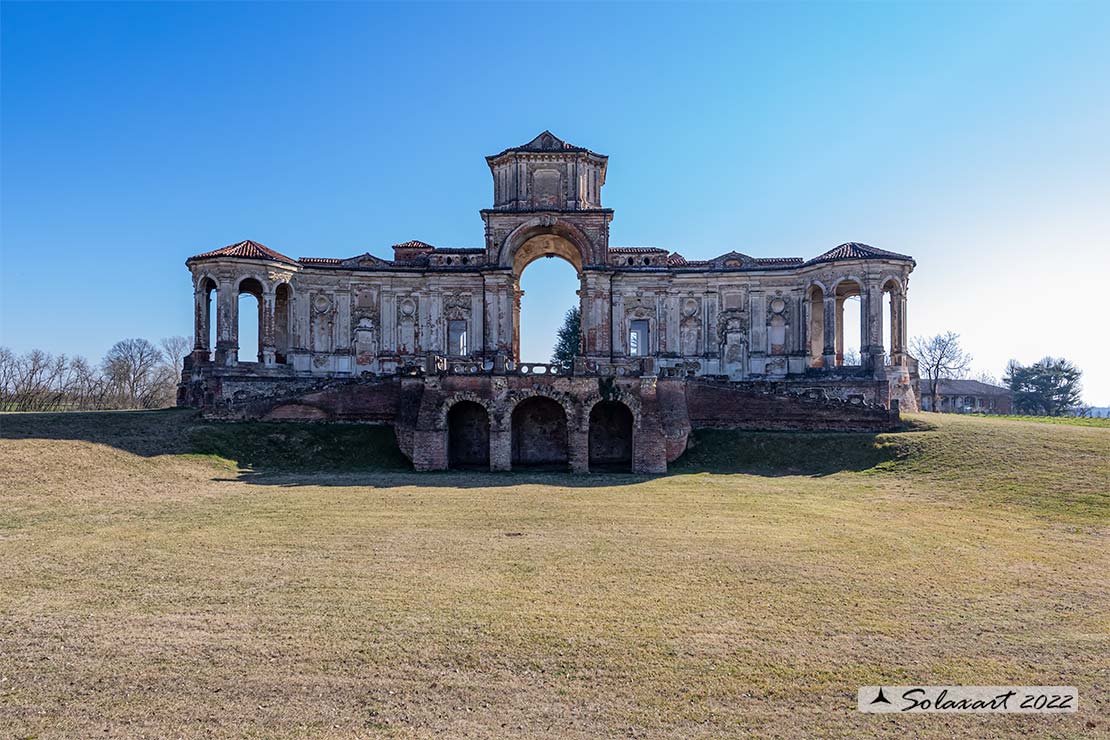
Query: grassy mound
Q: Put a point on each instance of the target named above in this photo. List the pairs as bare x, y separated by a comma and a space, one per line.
166, 577
289, 446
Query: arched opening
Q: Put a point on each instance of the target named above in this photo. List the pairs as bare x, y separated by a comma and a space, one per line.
611, 437
206, 332
890, 329
250, 319
283, 300
468, 436
545, 290
849, 326
539, 434
816, 325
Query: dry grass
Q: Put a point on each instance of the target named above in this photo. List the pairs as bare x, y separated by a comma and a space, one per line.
150, 591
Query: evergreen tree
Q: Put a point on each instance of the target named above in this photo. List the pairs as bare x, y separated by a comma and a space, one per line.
568, 341
1049, 387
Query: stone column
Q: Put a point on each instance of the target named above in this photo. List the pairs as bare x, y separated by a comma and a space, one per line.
839, 338
201, 319
828, 352
501, 445
595, 307
518, 294
871, 323
578, 447
499, 325
897, 329
266, 328
227, 325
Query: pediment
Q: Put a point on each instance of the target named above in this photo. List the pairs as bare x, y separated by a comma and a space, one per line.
732, 260
545, 142
365, 260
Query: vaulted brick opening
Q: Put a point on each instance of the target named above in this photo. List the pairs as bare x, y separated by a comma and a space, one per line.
468, 435
539, 433
610, 436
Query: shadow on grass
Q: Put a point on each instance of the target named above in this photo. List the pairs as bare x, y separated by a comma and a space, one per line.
298, 454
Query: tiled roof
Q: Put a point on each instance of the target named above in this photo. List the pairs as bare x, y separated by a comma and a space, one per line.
459, 250
635, 250
779, 260
247, 250
674, 259
413, 244
319, 261
856, 251
953, 386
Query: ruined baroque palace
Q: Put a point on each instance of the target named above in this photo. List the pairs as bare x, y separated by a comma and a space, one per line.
429, 340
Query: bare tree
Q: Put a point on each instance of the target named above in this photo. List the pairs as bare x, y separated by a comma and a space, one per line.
174, 350
7, 378
132, 367
938, 357
988, 378
134, 374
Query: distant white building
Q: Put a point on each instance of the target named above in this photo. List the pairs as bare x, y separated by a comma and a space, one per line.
967, 397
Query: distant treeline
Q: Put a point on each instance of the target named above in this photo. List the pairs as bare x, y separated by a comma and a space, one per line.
134, 374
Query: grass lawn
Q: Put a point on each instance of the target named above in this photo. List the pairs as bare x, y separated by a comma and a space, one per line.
1082, 421
162, 577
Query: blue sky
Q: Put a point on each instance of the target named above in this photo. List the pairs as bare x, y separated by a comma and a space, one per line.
972, 136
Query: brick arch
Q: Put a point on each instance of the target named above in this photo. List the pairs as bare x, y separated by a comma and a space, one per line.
568, 402
544, 436
628, 399
454, 398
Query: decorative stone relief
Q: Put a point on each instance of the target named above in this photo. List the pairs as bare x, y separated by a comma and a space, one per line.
690, 328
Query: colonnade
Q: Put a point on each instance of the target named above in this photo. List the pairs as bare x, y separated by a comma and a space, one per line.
274, 320
825, 324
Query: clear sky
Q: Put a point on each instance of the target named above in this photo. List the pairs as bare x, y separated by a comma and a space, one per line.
975, 137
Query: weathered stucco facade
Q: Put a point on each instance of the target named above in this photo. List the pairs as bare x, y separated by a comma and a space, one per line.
441, 326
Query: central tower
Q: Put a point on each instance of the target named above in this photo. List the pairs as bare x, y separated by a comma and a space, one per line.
547, 174
547, 203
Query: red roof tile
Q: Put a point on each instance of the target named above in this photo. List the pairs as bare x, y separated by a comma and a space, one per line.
413, 244
246, 250
856, 251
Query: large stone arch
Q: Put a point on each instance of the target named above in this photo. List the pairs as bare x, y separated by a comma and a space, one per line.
546, 235
536, 238
630, 400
